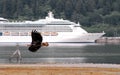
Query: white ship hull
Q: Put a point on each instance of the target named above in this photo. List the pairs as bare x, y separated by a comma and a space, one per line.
90, 37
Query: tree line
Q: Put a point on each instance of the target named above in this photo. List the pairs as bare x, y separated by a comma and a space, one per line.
88, 12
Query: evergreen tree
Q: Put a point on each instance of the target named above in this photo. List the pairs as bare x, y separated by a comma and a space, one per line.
80, 7
88, 12
68, 9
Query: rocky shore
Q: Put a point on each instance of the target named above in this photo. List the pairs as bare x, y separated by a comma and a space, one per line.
59, 69
108, 40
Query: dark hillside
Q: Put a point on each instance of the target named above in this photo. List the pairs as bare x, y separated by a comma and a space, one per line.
87, 12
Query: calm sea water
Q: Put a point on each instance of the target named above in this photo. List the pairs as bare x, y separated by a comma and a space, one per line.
64, 53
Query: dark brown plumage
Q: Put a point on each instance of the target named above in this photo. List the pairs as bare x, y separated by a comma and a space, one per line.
36, 41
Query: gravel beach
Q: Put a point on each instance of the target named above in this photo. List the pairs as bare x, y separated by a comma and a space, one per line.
59, 69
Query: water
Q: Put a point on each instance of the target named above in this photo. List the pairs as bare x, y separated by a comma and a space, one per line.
64, 53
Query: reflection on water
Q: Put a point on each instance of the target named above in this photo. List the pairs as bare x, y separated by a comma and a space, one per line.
64, 53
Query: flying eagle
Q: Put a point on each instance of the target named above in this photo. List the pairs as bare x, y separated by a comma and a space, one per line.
36, 41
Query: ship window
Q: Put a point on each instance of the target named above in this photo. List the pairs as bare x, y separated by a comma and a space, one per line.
45, 28
0, 33
65, 22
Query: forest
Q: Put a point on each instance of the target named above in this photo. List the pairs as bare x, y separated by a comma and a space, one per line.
93, 15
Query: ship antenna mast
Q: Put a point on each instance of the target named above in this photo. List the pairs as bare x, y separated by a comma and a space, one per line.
50, 16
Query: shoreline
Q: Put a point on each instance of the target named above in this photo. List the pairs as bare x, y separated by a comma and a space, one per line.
59, 69
63, 65
114, 40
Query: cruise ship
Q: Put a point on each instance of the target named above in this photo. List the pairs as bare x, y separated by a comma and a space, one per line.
52, 30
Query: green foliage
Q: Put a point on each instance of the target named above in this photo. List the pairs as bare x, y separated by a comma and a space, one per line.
109, 30
113, 18
90, 13
94, 11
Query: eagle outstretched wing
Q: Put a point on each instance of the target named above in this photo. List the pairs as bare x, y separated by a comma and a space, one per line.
36, 41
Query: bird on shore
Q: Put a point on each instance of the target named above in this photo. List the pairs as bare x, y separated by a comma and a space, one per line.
36, 41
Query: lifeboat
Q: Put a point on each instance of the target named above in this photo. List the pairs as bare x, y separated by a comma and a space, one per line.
23, 34
54, 33
14, 33
46, 33
6, 33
